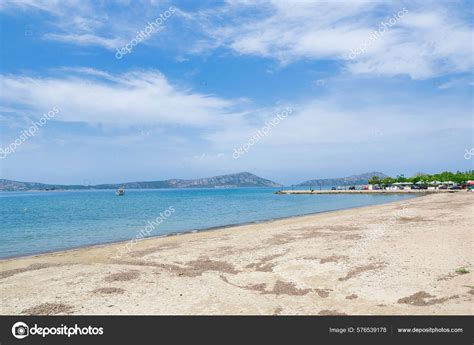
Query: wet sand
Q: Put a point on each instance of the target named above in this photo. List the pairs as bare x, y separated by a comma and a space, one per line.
398, 258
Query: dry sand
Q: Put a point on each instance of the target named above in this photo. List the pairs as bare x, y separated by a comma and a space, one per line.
398, 258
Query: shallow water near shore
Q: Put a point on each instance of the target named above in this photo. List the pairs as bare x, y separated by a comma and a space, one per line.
38, 222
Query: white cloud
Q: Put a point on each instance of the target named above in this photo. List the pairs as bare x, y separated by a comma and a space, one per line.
456, 82
148, 99
333, 132
422, 44
51, 6
87, 40
89, 22
430, 40
141, 97
330, 122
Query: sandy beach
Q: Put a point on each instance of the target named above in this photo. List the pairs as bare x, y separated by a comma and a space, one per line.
397, 258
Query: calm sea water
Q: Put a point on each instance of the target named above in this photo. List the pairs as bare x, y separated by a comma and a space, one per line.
36, 222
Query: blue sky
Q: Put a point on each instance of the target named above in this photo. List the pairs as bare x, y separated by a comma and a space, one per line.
214, 73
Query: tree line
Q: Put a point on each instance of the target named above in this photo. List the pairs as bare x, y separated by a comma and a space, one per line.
457, 177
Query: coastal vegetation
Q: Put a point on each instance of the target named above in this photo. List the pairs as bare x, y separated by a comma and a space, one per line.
457, 177
462, 270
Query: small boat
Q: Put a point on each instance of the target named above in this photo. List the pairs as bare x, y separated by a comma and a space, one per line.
120, 191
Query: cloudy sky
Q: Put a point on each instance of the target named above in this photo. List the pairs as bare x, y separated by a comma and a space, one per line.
371, 85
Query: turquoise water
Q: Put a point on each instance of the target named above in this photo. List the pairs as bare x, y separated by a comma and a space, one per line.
37, 222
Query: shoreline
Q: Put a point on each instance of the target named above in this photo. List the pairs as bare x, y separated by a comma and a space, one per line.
192, 231
375, 191
396, 258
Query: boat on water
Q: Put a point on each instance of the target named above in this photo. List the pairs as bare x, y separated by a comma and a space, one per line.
120, 191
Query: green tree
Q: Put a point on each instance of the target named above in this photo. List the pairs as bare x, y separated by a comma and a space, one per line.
401, 178
374, 180
457, 177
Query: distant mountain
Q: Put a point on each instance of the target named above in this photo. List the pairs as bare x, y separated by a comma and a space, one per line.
243, 179
10, 186
341, 181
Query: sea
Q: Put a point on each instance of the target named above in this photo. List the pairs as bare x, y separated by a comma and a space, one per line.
39, 222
